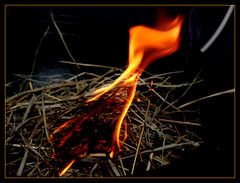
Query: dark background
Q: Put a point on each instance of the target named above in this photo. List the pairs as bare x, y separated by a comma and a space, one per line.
99, 35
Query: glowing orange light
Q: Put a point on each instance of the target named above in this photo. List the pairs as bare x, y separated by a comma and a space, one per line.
145, 46
67, 167
111, 154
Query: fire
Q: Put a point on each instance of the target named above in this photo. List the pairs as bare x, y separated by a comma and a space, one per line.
145, 46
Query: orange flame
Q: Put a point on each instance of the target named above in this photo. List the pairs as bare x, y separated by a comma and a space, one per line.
145, 46
67, 167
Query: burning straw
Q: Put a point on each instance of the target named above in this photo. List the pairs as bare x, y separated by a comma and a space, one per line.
53, 131
72, 128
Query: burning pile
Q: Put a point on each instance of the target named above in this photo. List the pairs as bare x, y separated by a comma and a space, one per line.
154, 131
111, 122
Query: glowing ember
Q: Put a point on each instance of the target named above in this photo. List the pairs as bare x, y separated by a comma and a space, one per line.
67, 167
145, 46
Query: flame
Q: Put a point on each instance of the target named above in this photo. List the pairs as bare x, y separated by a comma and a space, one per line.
145, 46
67, 167
111, 154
